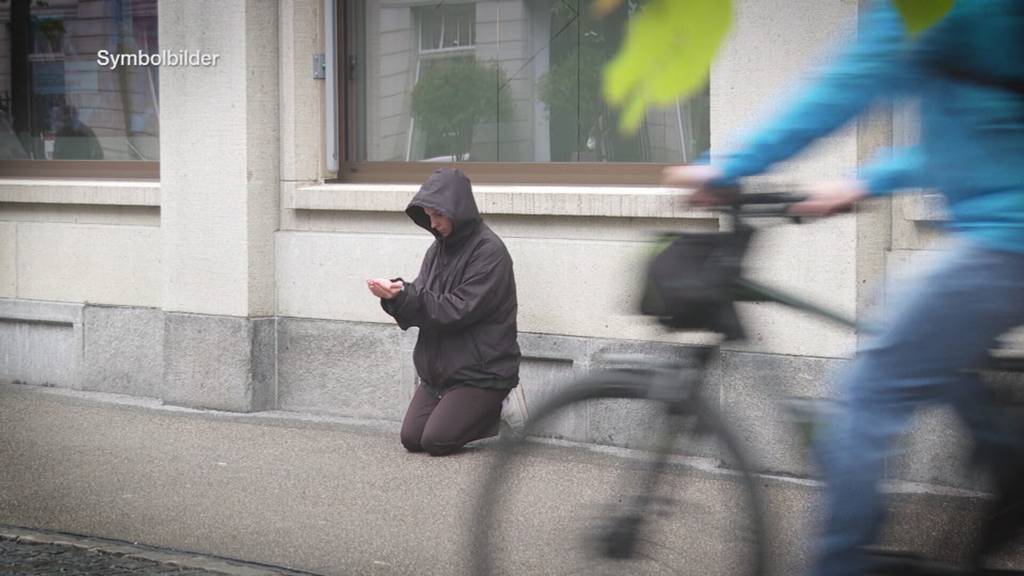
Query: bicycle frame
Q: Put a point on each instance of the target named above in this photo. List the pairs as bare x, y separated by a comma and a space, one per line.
766, 293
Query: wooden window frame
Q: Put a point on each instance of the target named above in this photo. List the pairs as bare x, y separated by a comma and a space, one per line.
81, 169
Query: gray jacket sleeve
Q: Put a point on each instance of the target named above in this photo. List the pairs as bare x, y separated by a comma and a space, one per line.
485, 281
400, 307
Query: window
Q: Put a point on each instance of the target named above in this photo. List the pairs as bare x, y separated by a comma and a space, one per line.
513, 86
62, 111
446, 27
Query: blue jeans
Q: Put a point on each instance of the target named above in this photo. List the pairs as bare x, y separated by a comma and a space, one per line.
939, 326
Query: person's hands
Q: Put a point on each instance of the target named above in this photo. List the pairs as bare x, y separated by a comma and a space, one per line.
699, 178
384, 288
828, 198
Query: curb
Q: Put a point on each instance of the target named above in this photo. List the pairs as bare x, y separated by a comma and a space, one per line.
132, 551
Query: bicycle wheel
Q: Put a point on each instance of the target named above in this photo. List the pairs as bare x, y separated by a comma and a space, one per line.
555, 507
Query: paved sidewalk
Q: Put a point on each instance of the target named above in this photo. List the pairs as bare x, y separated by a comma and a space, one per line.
329, 495
35, 553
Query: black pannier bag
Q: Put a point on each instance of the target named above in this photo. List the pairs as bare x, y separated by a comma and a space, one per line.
691, 284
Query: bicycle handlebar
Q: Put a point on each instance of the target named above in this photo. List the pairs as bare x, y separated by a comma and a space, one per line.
760, 204
762, 198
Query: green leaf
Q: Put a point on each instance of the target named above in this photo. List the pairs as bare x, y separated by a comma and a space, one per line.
919, 15
666, 55
632, 116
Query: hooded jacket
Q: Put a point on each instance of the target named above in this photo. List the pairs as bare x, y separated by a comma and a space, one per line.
464, 299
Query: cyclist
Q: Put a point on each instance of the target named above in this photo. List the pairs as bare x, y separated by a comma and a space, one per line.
966, 72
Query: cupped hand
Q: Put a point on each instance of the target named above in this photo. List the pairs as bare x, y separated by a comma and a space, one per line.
384, 288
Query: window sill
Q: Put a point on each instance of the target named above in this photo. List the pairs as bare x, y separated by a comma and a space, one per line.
101, 192
604, 201
40, 311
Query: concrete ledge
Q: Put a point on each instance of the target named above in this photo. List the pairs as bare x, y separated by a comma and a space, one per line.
123, 350
365, 370
753, 391
926, 208
219, 362
360, 370
616, 202
40, 311
42, 342
110, 193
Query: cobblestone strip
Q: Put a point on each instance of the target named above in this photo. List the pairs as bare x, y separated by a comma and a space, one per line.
25, 552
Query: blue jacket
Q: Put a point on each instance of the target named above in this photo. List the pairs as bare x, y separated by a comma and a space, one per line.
972, 134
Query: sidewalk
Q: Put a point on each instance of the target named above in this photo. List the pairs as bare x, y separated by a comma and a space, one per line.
317, 494
322, 495
36, 553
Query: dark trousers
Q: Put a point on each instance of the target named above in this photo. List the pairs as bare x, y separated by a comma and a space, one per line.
443, 425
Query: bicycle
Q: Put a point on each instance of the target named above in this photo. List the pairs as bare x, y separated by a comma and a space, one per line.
650, 493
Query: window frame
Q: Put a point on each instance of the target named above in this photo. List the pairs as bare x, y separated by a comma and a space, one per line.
414, 172
421, 51
80, 169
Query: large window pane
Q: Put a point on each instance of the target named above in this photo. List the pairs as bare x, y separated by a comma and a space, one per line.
500, 81
57, 102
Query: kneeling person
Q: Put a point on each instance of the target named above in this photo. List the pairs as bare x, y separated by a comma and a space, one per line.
464, 304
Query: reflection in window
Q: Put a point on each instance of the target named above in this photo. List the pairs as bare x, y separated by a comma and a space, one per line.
446, 26
56, 101
501, 81
451, 92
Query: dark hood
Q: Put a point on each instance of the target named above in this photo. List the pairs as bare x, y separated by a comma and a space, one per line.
449, 192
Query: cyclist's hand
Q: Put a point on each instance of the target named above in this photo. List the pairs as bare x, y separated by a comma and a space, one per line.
698, 177
828, 198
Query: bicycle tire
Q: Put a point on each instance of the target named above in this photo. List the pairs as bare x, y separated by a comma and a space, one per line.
495, 553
